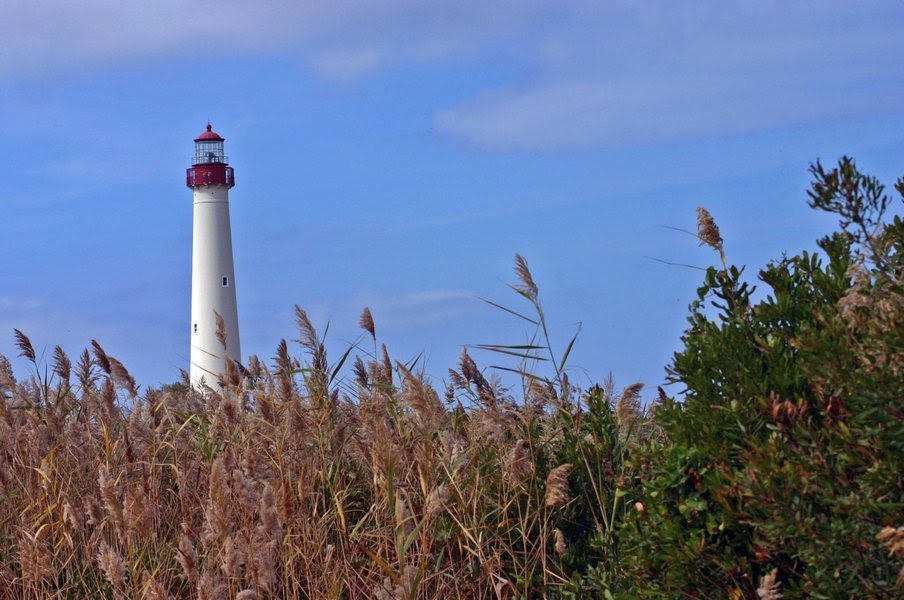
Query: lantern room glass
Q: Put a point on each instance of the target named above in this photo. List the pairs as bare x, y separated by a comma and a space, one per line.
209, 152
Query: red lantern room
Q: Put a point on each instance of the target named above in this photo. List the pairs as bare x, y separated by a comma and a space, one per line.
209, 165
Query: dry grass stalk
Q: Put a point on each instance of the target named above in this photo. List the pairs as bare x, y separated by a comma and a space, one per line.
273, 488
221, 329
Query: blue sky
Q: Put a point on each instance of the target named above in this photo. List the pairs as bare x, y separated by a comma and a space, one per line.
397, 154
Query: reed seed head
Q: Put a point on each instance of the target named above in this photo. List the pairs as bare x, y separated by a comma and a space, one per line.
526, 283
557, 486
707, 230
367, 323
770, 588
559, 542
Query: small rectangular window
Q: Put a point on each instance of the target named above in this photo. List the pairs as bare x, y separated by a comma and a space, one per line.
195, 328
225, 282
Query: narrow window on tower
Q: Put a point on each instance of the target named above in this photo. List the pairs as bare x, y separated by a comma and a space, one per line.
225, 282
195, 328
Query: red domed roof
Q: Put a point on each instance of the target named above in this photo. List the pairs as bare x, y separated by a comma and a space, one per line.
209, 135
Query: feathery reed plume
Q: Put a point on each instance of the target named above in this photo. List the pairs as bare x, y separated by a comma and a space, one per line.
893, 539
255, 368
284, 380
100, 357
310, 342
770, 588
24, 345
73, 516
62, 366
265, 559
420, 396
627, 407
137, 514
269, 515
85, 371
385, 367
436, 500
527, 285
187, 555
34, 558
707, 230
307, 334
110, 495
221, 328
121, 375
153, 589
360, 372
367, 323
111, 564
557, 486
233, 559
211, 587
559, 539
518, 463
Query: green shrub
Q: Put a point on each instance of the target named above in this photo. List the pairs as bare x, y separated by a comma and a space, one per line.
785, 449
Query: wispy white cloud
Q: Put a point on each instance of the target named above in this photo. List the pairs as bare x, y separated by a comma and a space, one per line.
9, 304
637, 77
593, 74
336, 37
346, 65
418, 308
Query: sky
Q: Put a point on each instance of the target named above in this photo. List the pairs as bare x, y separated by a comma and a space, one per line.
397, 154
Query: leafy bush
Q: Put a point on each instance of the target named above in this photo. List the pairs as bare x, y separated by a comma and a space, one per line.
784, 457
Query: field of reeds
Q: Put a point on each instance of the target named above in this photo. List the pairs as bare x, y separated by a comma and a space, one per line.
774, 472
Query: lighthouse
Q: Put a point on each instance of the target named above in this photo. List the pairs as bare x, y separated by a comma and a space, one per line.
212, 272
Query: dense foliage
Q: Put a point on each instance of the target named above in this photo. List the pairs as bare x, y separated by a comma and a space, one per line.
786, 451
775, 471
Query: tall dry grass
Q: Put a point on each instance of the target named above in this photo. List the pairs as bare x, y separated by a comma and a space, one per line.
306, 478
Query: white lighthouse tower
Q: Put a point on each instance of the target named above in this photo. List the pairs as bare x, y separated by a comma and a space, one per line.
212, 272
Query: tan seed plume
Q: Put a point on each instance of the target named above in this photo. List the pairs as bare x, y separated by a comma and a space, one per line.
770, 588
367, 323
627, 408
557, 486
707, 230
559, 539
527, 285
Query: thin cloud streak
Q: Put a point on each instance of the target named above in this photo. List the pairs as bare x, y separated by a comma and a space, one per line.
595, 75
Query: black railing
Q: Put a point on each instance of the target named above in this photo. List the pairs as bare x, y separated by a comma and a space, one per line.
210, 160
